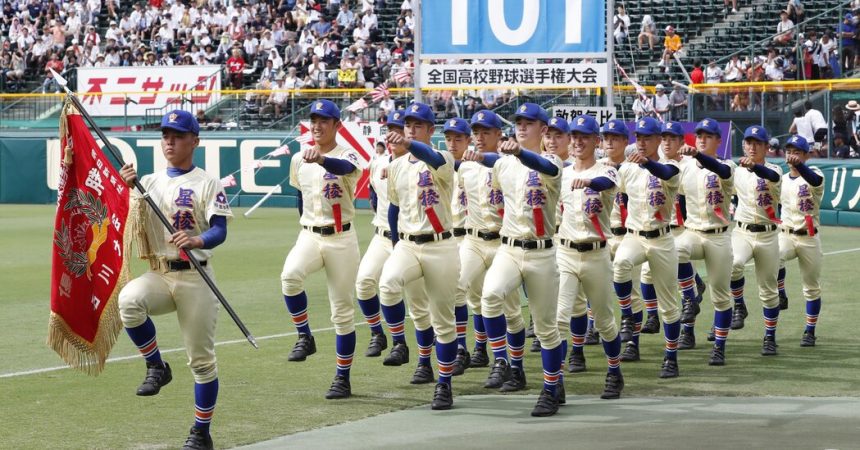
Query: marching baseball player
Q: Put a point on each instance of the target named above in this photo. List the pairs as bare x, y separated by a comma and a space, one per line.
325, 176
458, 136
755, 236
198, 207
615, 140
420, 186
587, 193
707, 185
802, 191
530, 184
483, 222
651, 188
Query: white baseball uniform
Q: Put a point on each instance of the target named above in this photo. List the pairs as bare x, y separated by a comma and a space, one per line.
800, 213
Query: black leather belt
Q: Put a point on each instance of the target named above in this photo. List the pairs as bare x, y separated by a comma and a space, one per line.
485, 235
329, 230
800, 232
620, 231
384, 233
583, 247
756, 228
711, 231
459, 232
674, 227
425, 238
652, 234
180, 265
527, 244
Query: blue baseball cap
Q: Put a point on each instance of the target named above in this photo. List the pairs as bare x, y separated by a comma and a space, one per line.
395, 118
560, 124
673, 128
584, 124
709, 126
421, 112
617, 127
647, 126
325, 108
532, 111
182, 121
458, 125
798, 142
487, 119
757, 132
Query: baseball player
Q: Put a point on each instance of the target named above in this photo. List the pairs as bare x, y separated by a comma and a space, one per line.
707, 185
530, 183
587, 193
615, 139
419, 188
458, 134
650, 188
802, 191
483, 222
325, 176
755, 236
195, 201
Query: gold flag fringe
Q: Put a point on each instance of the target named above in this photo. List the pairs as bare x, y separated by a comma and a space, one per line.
135, 232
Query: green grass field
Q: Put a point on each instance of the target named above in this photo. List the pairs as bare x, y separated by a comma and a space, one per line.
263, 395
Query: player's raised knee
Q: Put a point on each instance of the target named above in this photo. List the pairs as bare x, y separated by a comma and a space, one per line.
292, 283
204, 372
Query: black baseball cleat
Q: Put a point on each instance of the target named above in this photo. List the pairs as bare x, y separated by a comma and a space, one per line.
340, 388
158, 375
739, 313
398, 356
198, 440
592, 336
687, 341
718, 357
614, 386
652, 324
701, 287
535, 345
689, 310
669, 368
305, 346
712, 336
560, 393
768, 346
517, 382
530, 330
626, 331
783, 302
442, 397
461, 362
808, 339
423, 375
630, 353
378, 343
499, 373
479, 357
547, 404
576, 362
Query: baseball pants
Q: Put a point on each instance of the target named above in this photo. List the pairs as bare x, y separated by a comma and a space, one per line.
662, 258
716, 250
764, 248
586, 275
807, 250
476, 257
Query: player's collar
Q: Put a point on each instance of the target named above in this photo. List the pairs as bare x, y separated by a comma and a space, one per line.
174, 172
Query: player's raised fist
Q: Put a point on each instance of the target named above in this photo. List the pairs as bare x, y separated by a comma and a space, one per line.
128, 174
580, 183
747, 162
473, 155
313, 155
793, 160
689, 150
637, 158
510, 147
395, 139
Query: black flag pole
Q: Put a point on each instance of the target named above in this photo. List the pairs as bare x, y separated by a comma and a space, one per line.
116, 154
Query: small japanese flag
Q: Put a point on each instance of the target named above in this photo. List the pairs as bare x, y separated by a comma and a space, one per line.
228, 181
282, 150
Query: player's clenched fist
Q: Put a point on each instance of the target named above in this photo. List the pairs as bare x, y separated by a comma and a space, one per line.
793, 160
747, 162
128, 174
395, 139
637, 158
580, 183
473, 155
510, 147
689, 150
313, 155
182, 239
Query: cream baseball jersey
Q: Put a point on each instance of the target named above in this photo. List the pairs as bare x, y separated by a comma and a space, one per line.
325, 196
377, 168
485, 203
188, 201
757, 197
707, 195
531, 198
586, 211
422, 193
800, 200
459, 202
651, 198
618, 215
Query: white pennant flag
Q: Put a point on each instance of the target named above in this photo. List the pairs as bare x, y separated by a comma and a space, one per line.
228, 181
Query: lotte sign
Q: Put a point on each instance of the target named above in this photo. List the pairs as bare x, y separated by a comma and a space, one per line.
513, 28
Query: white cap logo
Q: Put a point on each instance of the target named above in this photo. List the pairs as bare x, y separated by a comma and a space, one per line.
610, 125
452, 123
669, 125
523, 108
319, 106
755, 130
480, 116
554, 121
705, 123
414, 108
580, 121
172, 117
642, 124
794, 140
396, 116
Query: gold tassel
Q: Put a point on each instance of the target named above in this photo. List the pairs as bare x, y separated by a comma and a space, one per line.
68, 153
135, 228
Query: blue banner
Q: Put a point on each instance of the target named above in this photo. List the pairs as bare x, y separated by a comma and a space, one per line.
512, 28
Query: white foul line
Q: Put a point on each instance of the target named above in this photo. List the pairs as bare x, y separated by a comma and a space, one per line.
263, 338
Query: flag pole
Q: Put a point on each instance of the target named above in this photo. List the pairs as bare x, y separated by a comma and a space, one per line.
161, 217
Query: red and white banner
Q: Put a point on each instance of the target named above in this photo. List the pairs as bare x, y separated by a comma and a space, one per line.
87, 270
361, 136
140, 83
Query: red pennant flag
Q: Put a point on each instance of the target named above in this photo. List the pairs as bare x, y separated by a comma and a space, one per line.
88, 268
434, 219
679, 217
810, 225
623, 208
537, 214
718, 210
771, 214
338, 220
595, 222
